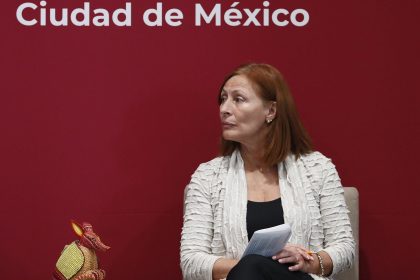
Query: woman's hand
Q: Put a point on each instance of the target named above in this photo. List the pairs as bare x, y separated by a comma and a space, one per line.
222, 267
298, 255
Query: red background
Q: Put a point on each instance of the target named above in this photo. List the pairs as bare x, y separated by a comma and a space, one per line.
107, 124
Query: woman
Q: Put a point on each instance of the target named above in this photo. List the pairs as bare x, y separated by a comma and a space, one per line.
267, 175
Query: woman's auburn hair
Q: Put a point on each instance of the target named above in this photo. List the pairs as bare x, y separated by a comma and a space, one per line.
286, 133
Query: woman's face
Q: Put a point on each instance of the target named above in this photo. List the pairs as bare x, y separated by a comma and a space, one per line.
243, 113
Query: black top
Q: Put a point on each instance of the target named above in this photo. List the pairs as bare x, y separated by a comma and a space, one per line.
261, 215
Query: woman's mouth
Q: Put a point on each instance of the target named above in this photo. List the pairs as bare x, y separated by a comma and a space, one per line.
227, 125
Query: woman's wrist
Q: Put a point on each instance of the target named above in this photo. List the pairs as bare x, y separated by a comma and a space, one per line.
321, 269
314, 265
322, 264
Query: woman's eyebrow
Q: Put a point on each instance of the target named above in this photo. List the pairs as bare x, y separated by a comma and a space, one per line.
235, 91
238, 91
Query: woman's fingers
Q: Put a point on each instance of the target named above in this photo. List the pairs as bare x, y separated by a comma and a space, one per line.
305, 255
296, 267
296, 255
290, 259
292, 251
303, 251
283, 253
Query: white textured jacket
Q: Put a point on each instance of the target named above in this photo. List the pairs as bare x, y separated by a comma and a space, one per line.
215, 213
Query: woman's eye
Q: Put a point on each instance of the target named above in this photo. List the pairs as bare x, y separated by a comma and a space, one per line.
239, 99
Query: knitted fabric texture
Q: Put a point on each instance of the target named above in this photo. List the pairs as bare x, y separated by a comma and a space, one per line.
215, 212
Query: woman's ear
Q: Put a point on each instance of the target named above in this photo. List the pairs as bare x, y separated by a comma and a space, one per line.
272, 110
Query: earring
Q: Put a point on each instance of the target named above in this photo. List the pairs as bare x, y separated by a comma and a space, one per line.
268, 120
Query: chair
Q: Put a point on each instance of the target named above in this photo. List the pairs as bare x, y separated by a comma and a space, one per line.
352, 200
351, 196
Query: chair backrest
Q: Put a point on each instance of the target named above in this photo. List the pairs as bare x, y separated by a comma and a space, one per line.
352, 200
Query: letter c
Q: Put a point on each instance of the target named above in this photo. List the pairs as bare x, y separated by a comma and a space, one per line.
19, 13
275, 15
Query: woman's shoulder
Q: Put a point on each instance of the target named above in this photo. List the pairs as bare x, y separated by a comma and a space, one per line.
212, 167
316, 162
208, 175
315, 157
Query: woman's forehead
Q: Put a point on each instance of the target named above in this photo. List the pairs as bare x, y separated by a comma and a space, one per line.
238, 82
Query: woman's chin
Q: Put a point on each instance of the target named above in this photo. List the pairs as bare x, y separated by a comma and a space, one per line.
229, 136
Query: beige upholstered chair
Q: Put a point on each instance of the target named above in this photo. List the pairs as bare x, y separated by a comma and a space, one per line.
352, 200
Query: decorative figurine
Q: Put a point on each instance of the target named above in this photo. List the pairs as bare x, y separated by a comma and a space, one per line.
78, 260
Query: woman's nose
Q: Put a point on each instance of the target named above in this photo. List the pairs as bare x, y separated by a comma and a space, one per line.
225, 108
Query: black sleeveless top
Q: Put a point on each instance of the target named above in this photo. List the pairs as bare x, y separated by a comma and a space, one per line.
261, 215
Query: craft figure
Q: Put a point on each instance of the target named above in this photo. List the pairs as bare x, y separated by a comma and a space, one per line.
78, 260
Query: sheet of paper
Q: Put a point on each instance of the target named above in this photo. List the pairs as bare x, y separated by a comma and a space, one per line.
267, 242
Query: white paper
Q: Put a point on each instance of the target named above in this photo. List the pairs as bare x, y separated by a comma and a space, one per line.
269, 241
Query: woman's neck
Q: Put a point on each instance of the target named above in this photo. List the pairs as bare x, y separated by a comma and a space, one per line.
253, 157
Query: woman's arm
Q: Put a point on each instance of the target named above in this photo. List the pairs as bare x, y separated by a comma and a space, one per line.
197, 233
222, 267
339, 245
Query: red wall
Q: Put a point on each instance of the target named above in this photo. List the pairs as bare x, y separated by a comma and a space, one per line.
107, 124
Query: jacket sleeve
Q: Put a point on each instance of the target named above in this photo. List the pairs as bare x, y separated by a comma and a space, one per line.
338, 238
197, 233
